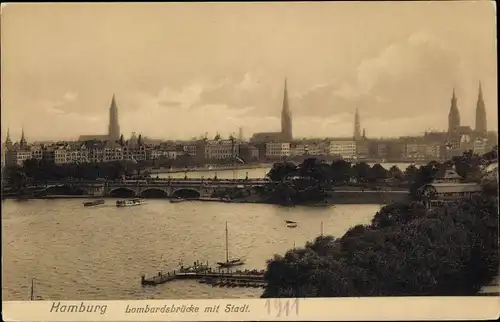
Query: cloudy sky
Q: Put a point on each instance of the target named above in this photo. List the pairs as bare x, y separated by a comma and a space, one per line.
180, 70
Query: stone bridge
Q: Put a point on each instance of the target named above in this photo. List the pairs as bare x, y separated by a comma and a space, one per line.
190, 188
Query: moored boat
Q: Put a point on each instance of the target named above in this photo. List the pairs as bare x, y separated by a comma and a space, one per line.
93, 203
230, 262
130, 202
177, 200
291, 224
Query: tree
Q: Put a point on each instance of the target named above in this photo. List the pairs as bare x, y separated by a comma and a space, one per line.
15, 176
410, 172
281, 170
395, 173
341, 171
361, 171
378, 172
424, 175
314, 169
468, 165
398, 213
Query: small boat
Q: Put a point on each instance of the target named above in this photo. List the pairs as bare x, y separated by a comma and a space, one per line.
290, 222
230, 262
291, 225
93, 203
130, 202
177, 200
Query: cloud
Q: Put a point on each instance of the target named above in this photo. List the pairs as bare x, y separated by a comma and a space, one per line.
54, 111
56, 106
420, 66
404, 87
70, 96
63, 119
407, 78
421, 59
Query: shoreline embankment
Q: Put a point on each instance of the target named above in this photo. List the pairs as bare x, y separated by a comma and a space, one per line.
337, 197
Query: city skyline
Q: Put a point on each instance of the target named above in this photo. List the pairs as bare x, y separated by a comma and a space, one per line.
400, 79
479, 125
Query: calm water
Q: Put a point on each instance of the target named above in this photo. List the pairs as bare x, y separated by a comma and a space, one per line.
252, 173
78, 253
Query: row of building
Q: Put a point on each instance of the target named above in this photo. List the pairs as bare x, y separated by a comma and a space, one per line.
431, 146
266, 146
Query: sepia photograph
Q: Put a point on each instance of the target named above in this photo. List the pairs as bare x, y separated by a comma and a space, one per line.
247, 151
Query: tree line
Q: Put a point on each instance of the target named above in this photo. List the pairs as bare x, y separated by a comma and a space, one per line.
313, 180
406, 250
34, 172
338, 172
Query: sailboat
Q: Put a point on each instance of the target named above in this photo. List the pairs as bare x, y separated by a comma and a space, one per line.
32, 291
230, 262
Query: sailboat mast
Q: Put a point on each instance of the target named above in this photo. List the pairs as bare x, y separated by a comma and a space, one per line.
227, 245
32, 289
322, 229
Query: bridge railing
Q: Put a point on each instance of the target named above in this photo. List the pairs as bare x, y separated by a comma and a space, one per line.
162, 182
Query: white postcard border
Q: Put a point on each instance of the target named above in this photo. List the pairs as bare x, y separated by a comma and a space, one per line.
319, 309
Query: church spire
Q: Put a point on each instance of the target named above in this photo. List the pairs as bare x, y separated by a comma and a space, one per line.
286, 117
114, 127
22, 142
357, 126
481, 125
8, 140
454, 114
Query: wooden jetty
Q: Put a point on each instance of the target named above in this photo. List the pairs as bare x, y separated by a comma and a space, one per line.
205, 274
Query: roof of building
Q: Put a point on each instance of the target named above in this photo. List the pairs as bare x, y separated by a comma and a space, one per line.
447, 174
93, 137
450, 187
266, 136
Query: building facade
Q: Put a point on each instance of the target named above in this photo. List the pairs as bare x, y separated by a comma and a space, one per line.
277, 150
343, 148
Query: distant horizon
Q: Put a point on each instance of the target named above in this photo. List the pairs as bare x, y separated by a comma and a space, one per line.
246, 139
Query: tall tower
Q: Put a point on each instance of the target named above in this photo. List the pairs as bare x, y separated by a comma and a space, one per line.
286, 118
114, 128
454, 115
22, 142
357, 126
8, 141
480, 114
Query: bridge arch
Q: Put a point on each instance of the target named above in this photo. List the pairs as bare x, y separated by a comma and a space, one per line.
122, 192
153, 193
186, 193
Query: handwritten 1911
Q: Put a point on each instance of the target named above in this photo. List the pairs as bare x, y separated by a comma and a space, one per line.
281, 307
